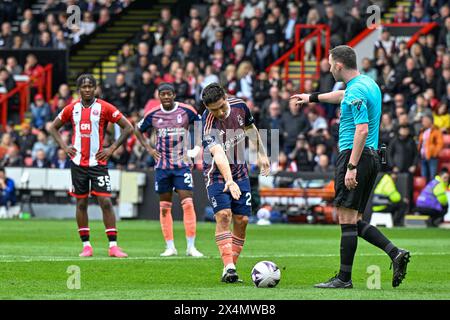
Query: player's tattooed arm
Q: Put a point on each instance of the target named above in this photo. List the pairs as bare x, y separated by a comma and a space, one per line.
54, 131
221, 160
255, 139
127, 130
153, 152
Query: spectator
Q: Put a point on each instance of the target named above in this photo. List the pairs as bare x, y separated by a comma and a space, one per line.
119, 94
43, 144
417, 112
289, 28
323, 166
400, 15
368, 70
61, 161
387, 43
41, 160
7, 190
272, 30
293, 123
245, 81
441, 118
386, 128
283, 164
6, 80
430, 144
63, 93
6, 36
402, 154
316, 122
230, 81
274, 96
26, 34
261, 89
418, 15
40, 111
355, 24
144, 91
104, 17
302, 154
410, 81
336, 25
259, 51
386, 198
13, 158
26, 140
181, 85
5, 144
432, 201
45, 41
33, 69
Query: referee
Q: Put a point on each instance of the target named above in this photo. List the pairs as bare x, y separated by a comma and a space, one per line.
357, 164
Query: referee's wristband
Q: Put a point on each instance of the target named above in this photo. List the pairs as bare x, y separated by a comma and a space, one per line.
314, 97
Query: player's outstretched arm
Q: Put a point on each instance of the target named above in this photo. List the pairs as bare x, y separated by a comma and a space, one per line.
255, 139
54, 131
334, 97
221, 160
127, 130
140, 136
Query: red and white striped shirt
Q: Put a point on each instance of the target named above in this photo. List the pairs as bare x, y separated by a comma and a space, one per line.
89, 126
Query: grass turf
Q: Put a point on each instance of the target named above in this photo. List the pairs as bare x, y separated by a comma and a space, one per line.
35, 256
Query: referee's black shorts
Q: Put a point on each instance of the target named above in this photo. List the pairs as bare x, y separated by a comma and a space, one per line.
367, 170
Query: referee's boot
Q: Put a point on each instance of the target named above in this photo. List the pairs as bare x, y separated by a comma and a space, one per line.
335, 283
399, 264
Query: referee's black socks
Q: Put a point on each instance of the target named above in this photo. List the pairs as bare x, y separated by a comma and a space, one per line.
375, 237
349, 242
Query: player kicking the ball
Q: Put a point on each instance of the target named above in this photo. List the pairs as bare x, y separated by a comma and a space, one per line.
171, 121
226, 123
89, 118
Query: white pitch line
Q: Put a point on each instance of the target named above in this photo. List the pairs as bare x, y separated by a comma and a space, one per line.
62, 259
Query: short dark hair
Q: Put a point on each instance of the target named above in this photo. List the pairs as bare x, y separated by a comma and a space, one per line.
2, 169
212, 93
86, 76
346, 55
443, 170
163, 86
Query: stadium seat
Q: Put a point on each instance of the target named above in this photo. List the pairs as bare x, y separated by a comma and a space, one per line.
447, 140
58, 179
419, 183
444, 155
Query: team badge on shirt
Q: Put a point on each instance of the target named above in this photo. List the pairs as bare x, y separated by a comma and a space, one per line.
357, 103
240, 120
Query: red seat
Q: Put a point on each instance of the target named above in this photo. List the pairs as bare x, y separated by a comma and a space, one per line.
444, 155
419, 183
444, 165
447, 140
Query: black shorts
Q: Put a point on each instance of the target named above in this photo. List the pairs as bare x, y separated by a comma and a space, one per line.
367, 170
93, 179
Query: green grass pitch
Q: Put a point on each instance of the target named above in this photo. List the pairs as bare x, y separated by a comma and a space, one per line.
36, 254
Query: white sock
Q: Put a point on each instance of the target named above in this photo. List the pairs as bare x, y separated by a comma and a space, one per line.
230, 266
190, 242
112, 244
86, 244
170, 244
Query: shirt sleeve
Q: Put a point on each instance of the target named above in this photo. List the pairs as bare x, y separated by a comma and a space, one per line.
357, 100
249, 120
193, 115
112, 114
209, 136
145, 123
66, 114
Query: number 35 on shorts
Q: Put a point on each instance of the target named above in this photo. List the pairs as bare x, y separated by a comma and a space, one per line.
104, 181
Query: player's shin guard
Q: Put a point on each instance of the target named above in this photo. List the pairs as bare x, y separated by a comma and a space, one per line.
237, 246
165, 217
84, 235
224, 243
189, 219
111, 233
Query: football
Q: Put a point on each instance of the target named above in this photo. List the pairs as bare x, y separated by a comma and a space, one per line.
266, 274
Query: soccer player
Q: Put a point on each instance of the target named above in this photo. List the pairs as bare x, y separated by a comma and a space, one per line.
226, 122
171, 122
89, 117
357, 164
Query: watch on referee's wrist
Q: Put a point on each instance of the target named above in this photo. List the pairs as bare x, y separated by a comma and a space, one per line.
351, 166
